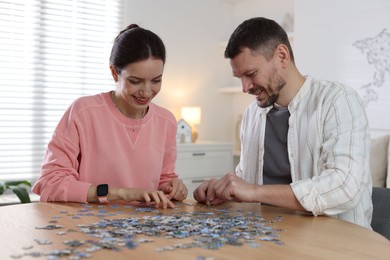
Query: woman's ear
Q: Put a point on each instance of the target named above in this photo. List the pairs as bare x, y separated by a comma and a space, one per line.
114, 73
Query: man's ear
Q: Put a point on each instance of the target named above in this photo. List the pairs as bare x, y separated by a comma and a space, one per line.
283, 54
114, 73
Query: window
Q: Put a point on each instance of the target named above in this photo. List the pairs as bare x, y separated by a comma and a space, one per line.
51, 52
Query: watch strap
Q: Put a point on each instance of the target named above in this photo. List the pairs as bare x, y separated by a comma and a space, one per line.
102, 193
103, 199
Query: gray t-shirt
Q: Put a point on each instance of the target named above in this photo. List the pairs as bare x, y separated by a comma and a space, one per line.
276, 168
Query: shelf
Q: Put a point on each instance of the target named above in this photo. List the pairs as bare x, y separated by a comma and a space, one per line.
231, 89
197, 162
232, 1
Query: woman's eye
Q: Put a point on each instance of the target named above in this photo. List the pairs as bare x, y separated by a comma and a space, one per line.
134, 81
157, 81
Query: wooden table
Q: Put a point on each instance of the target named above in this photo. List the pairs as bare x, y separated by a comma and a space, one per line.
303, 236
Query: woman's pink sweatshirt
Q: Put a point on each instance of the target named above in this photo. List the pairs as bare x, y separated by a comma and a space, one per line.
95, 144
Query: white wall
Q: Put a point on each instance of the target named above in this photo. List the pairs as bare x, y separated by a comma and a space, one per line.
193, 32
323, 37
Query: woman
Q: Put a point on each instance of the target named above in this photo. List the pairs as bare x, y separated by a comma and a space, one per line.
117, 145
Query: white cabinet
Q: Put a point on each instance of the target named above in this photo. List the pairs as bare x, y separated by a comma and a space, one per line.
197, 162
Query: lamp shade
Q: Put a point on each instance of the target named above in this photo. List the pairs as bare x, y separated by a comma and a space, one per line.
191, 115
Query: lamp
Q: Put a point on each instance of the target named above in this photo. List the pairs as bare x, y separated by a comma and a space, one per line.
192, 116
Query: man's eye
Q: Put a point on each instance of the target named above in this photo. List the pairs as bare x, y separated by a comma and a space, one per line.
156, 80
134, 81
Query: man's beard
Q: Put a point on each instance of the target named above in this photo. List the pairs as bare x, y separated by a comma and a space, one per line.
277, 80
269, 102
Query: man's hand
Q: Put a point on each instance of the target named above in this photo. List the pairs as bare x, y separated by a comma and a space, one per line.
233, 188
205, 193
174, 189
228, 188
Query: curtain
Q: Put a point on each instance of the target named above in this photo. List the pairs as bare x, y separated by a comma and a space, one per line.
51, 52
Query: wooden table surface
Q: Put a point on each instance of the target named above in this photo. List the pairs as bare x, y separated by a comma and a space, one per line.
303, 236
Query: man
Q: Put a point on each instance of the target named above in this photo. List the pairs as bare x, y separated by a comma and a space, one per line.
304, 142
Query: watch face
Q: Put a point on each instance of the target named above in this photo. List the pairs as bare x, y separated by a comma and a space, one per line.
102, 190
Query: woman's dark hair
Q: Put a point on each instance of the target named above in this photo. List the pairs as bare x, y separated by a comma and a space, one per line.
135, 44
259, 34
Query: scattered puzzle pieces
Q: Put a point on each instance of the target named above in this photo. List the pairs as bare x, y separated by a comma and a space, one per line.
209, 228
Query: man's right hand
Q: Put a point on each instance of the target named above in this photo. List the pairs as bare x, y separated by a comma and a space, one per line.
205, 193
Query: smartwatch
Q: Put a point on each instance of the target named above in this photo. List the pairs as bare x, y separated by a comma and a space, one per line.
102, 193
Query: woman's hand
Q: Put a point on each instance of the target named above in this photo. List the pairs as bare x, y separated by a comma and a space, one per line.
174, 189
150, 197
156, 197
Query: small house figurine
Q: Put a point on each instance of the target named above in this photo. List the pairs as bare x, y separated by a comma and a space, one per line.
183, 132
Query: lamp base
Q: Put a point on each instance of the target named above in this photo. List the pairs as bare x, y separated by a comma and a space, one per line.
194, 135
